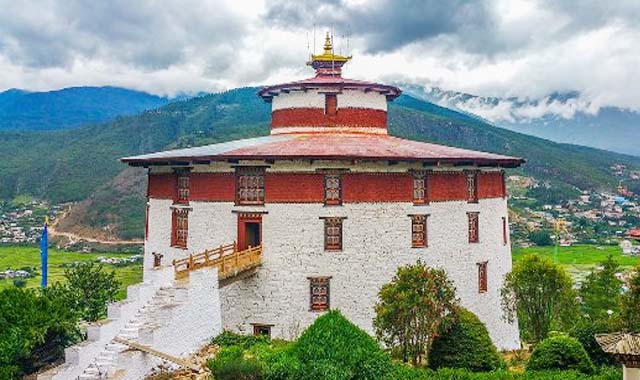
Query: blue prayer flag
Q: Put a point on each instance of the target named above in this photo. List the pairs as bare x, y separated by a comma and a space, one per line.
44, 253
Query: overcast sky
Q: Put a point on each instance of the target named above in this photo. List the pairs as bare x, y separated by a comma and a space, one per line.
505, 48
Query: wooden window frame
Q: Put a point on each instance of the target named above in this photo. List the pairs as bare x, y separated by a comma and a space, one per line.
482, 276
329, 224
319, 300
330, 104
257, 327
182, 187
254, 174
472, 185
179, 227
332, 200
505, 231
473, 225
420, 188
419, 232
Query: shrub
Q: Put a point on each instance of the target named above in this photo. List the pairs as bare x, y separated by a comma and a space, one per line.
560, 352
19, 282
332, 340
584, 332
465, 345
232, 364
228, 338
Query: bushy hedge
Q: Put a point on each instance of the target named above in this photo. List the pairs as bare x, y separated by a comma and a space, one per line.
560, 352
585, 332
465, 345
408, 373
228, 338
231, 363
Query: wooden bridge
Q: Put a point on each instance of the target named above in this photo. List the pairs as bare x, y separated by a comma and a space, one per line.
227, 258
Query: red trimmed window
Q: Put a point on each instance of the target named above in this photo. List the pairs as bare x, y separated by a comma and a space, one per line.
505, 231
249, 185
333, 234
319, 293
474, 233
472, 186
262, 330
330, 104
146, 222
183, 188
482, 277
332, 189
180, 230
420, 195
418, 231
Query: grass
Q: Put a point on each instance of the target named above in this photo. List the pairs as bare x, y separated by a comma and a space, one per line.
579, 259
16, 257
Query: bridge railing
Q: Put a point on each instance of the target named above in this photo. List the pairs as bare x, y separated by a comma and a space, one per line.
227, 258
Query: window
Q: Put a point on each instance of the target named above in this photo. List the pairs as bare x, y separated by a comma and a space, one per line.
472, 186
319, 292
183, 188
474, 233
333, 234
180, 224
249, 185
330, 104
262, 330
482, 277
332, 189
420, 195
419, 231
505, 231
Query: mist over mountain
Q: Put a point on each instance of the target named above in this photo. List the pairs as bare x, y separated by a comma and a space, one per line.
71, 107
562, 117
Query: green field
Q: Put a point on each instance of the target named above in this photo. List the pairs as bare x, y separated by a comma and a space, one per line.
16, 257
579, 259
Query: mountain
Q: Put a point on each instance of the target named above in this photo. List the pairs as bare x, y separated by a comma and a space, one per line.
561, 117
70, 107
82, 164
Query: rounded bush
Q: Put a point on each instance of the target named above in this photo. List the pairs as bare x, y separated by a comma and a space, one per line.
465, 345
333, 340
560, 352
585, 332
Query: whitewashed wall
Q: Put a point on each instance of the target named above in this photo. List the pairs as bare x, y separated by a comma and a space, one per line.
377, 239
316, 99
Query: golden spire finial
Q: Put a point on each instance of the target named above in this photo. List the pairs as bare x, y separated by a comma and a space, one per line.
328, 44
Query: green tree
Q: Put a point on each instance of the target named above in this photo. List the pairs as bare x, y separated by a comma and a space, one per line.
35, 327
466, 344
539, 293
92, 288
412, 309
560, 353
600, 292
540, 238
630, 304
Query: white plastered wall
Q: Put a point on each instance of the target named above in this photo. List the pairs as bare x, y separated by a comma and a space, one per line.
377, 239
316, 99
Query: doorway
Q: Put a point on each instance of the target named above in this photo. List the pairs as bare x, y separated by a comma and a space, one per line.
249, 230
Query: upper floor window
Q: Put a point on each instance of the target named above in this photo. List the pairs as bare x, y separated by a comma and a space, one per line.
419, 231
183, 187
330, 104
250, 185
420, 182
332, 189
482, 277
319, 297
180, 227
474, 233
333, 234
472, 186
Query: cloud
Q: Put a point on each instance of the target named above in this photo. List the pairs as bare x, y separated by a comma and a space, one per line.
497, 48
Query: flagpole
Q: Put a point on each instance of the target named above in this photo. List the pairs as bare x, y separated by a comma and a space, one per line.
44, 252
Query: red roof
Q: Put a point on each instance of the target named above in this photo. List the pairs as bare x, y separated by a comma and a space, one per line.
634, 233
322, 81
330, 146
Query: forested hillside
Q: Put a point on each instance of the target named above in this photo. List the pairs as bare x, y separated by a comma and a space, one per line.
70, 107
82, 164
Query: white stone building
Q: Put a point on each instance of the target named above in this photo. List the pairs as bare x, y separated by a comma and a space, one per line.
337, 205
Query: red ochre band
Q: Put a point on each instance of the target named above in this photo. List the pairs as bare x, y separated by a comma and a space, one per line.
316, 117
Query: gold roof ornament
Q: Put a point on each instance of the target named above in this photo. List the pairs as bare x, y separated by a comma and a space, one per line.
328, 55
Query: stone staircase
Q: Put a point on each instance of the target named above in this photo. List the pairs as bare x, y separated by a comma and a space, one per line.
165, 315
